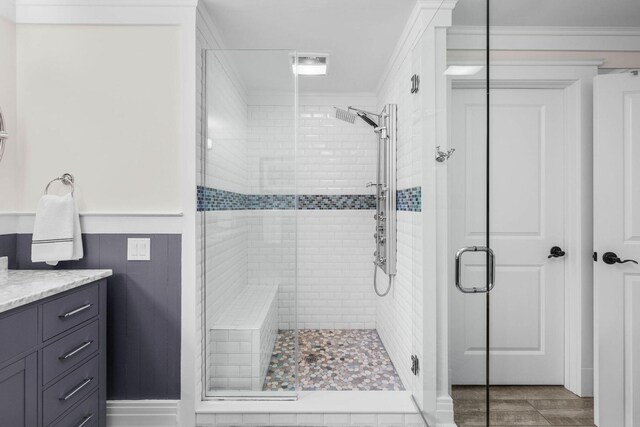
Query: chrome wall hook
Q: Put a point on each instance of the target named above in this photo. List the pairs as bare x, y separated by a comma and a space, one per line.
441, 156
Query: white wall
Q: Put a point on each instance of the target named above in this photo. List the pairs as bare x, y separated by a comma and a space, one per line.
104, 104
10, 164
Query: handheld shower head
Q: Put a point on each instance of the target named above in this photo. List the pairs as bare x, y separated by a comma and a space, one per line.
349, 117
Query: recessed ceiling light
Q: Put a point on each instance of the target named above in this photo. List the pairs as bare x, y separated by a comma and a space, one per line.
463, 70
310, 65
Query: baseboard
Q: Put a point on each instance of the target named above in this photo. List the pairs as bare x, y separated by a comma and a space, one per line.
444, 412
586, 389
142, 413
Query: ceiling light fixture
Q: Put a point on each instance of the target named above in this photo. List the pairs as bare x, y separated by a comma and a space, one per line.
310, 65
463, 70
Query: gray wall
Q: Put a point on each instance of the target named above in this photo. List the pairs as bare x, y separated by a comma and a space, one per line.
8, 248
143, 309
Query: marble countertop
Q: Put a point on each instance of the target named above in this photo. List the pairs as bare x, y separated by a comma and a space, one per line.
21, 287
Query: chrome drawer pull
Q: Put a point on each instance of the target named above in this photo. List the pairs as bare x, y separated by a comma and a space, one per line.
76, 350
85, 420
82, 385
76, 311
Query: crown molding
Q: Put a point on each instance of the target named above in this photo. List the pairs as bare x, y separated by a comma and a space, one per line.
546, 38
107, 3
547, 31
531, 62
8, 10
423, 14
105, 12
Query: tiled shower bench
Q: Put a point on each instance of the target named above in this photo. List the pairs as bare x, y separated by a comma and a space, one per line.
242, 340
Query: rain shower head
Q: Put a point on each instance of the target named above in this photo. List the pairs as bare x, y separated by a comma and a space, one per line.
345, 115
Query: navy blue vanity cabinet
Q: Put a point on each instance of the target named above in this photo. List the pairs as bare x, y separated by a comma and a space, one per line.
19, 392
53, 360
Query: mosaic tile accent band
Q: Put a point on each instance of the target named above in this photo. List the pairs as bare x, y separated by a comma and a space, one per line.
336, 202
213, 199
409, 200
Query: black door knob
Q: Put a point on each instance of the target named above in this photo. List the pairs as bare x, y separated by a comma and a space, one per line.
556, 252
612, 258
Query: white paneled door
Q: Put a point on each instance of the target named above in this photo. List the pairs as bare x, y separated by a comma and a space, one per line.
617, 231
527, 220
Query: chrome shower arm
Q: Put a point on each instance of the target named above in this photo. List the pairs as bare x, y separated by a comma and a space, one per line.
368, 113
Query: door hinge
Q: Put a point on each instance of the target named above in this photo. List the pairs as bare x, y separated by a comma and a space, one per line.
415, 364
415, 83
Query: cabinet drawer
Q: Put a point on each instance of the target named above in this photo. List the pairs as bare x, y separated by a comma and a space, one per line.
69, 351
87, 414
68, 311
70, 390
18, 333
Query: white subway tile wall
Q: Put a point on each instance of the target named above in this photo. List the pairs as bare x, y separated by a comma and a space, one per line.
271, 156
227, 136
334, 157
334, 246
271, 246
398, 318
312, 420
335, 269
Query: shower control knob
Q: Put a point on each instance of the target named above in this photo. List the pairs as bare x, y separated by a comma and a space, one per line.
382, 260
381, 240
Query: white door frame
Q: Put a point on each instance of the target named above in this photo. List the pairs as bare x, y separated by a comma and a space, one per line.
575, 78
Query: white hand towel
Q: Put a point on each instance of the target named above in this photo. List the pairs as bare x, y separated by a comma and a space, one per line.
56, 234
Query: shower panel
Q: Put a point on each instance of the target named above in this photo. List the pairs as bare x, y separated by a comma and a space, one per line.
385, 255
386, 231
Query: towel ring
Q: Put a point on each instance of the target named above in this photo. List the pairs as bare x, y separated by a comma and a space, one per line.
66, 179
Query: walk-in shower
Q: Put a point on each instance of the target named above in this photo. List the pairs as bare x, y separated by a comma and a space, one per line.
287, 220
385, 234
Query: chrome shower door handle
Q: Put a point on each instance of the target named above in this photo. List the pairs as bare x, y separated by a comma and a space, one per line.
491, 266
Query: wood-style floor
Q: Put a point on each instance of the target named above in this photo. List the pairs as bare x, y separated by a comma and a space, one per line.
522, 406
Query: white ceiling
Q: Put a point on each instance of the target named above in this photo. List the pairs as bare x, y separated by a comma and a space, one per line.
360, 35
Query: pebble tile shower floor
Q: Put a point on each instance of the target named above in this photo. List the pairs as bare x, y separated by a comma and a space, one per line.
332, 360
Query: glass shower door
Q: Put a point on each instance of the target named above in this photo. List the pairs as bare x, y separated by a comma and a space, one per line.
247, 202
453, 289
